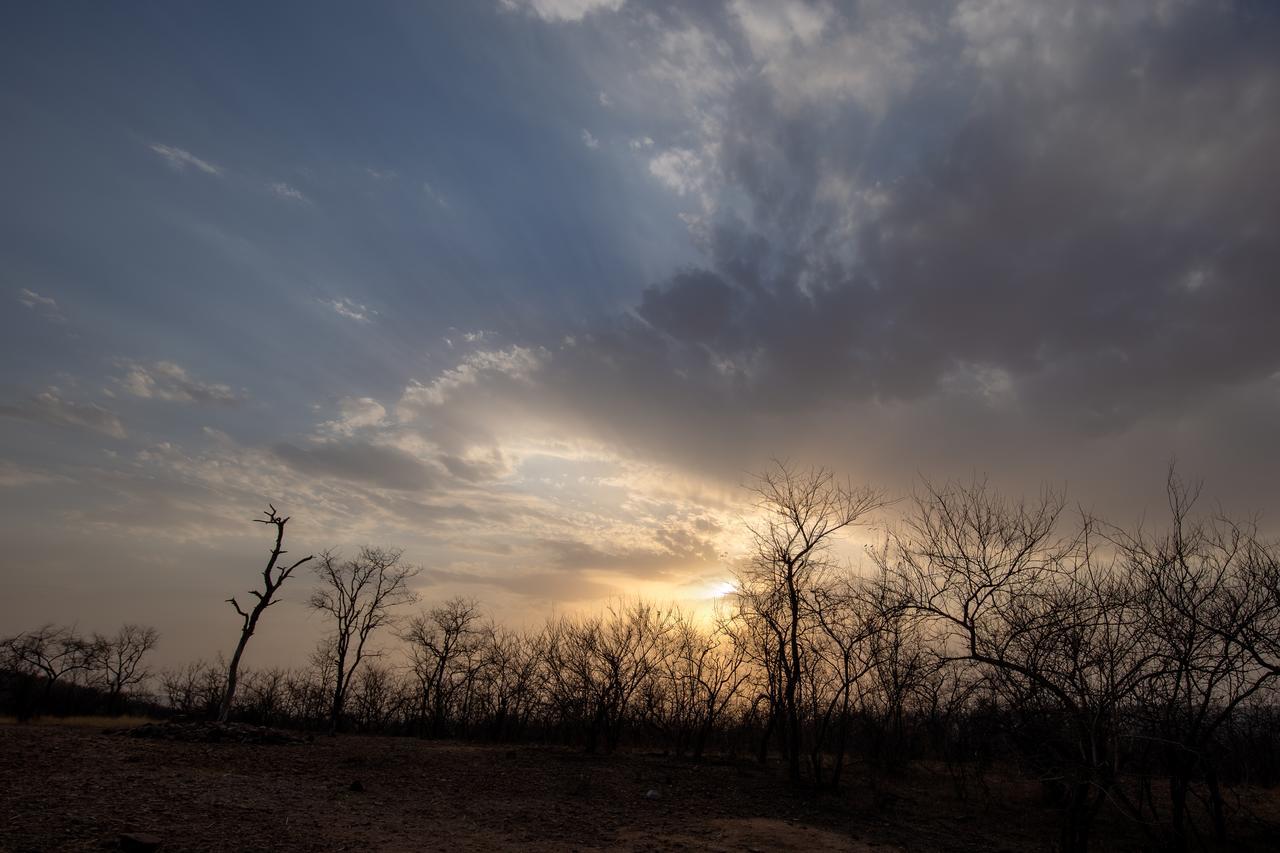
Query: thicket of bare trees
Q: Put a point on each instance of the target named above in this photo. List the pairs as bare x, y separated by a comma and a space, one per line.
96, 670
1133, 671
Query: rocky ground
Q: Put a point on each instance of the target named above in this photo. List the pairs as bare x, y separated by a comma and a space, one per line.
80, 788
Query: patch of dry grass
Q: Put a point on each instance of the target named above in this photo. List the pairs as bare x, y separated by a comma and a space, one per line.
84, 721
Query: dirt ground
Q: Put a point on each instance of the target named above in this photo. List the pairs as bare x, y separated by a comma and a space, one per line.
76, 788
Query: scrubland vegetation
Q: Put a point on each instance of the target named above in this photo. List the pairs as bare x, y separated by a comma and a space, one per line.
1130, 673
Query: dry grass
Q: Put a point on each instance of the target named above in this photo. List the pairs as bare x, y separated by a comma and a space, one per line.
121, 722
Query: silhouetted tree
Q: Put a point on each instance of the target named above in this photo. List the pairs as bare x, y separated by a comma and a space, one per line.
438, 640
359, 593
800, 513
117, 660
49, 652
273, 577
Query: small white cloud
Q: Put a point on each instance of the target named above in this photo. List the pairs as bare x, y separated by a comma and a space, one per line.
351, 310
561, 10
589, 140
382, 174
47, 305
180, 159
680, 169
1196, 279
641, 143
283, 190
435, 195
166, 380
517, 363
605, 100
354, 414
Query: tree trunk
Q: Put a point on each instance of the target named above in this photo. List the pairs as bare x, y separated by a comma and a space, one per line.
793, 678
233, 670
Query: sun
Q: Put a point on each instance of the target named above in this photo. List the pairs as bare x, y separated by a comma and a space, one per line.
721, 589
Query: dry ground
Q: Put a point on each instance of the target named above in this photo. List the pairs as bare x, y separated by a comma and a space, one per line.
76, 788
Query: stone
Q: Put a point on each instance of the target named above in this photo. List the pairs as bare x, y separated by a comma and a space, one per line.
139, 842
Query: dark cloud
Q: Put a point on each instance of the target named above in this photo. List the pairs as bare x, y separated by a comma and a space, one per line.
371, 464
1069, 215
694, 306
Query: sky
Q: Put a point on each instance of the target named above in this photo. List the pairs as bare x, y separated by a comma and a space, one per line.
529, 288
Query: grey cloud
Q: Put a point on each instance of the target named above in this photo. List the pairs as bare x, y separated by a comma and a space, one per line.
475, 470
46, 305
371, 464
679, 549
1095, 222
165, 380
695, 305
539, 586
49, 407
1061, 228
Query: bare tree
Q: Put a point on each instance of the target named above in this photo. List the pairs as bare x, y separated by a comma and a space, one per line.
359, 593
1208, 615
438, 640
1062, 635
50, 652
801, 513
118, 660
273, 577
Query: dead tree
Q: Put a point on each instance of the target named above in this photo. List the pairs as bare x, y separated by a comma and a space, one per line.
801, 512
437, 641
273, 577
1060, 634
359, 594
118, 660
48, 652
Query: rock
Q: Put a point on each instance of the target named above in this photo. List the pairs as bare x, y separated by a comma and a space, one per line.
357, 786
653, 794
139, 842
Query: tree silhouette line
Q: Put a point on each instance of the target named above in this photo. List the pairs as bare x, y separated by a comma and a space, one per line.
1131, 670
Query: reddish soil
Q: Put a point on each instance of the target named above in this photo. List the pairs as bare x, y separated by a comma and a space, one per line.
73, 788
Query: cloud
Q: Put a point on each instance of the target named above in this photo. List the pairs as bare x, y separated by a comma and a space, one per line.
547, 587
180, 159
681, 169
166, 380
344, 307
48, 407
44, 304
996, 224
374, 465
282, 190
355, 414
561, 10
477, 467
515, 363
589, 140
435, 195
13, 475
